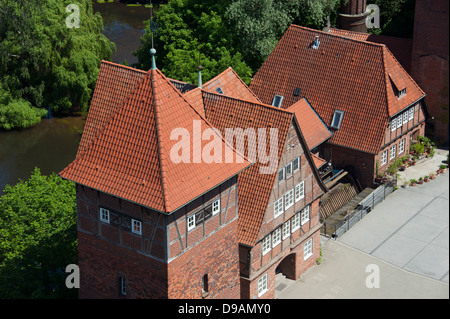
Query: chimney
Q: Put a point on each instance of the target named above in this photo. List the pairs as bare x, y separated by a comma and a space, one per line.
352, 15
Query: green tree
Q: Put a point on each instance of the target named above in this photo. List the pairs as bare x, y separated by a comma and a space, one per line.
38, 237
45, 62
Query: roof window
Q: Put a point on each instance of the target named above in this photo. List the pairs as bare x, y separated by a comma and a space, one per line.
219, 90
277, 100
337, 119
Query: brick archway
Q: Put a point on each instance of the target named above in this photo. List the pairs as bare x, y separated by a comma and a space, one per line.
287, 266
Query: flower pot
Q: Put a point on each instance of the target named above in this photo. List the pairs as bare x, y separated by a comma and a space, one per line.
443, 170
420, 182
426, 180
413, 184
432, 177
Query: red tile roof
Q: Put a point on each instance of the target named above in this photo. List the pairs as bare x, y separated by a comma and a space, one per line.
400, 47
254, 188
342, 74
312, 126
130, 155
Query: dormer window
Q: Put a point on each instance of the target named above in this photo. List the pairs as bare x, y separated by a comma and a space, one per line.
277, 100
401, 93
337, 119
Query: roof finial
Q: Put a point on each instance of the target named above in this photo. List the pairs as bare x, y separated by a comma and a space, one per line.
152, 53
152, 50
200, 68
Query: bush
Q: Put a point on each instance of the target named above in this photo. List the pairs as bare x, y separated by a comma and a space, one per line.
20, 114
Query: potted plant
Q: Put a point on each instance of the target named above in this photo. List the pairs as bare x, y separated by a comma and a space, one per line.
413, 182
421, 180
443, 168
432, 175
426, 179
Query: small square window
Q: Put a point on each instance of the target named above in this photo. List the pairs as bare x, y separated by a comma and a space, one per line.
277, 100
191, 222
216, 207
337, 119
136, 226
104, 215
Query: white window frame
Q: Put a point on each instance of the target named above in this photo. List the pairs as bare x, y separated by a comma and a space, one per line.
411, 114
338, 116
215, 207
286, 229
104, 215
266, 245
308, 249
289, 199
393, 124
405, 117
393, 152
399, 121
281, 100
288, 167
299, 191
278, 207
401, 146
305, 215
276, 237
263, 286
384, 158
296, 222
191, 222
136, 226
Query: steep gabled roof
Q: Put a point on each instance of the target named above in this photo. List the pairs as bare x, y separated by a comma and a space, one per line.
312, 126
341, 74
131, 155
254, 187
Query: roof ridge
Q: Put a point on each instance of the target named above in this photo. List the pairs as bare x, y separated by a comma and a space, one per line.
123, 66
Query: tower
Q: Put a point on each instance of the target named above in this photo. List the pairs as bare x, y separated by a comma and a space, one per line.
353, 15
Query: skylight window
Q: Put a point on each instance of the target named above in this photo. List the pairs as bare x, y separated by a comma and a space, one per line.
297, 92
277, 100
337, 119
219, 90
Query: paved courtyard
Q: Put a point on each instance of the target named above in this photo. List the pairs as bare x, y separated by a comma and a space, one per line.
406, 237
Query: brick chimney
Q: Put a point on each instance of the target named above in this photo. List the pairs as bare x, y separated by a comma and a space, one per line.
352, 15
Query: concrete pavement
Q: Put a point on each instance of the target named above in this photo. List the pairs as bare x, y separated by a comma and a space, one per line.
404, 241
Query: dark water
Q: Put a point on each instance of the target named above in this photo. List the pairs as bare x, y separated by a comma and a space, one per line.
124, 26
52, 144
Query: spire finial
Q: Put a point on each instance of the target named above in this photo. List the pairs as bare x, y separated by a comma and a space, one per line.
152, 50
200, 82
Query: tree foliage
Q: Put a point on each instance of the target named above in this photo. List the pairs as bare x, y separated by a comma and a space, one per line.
45, 62
38, 237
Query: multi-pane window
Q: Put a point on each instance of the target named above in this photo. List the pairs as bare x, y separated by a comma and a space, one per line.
296, 163
288, 169
296, 221
289, 199
104, 215
405, 117
401, 146
299, 191
286, 229
266, 245
393, 151
307, 249
384, 158
278, 207
305, 215
136, 226
281, 174
191, 222
399, 121
216, 206
411, 113
276, 237
262, 285
394, 124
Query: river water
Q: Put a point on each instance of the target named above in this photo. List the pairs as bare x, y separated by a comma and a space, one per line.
52, 144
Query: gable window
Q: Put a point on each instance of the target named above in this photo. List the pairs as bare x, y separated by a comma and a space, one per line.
411, 114
384, 158
104, 215
266, 245
299, 191
277, 100
305, 215
278, 207
280, 175
262, 285
393, 152
288, 169
307, 249
296, 163
401, 146
286, 229
136, 226
337, 119
276, 237
296, 222
216, 207
289, 199
394, 124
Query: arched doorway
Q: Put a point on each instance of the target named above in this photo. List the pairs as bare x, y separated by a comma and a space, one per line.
287, 267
